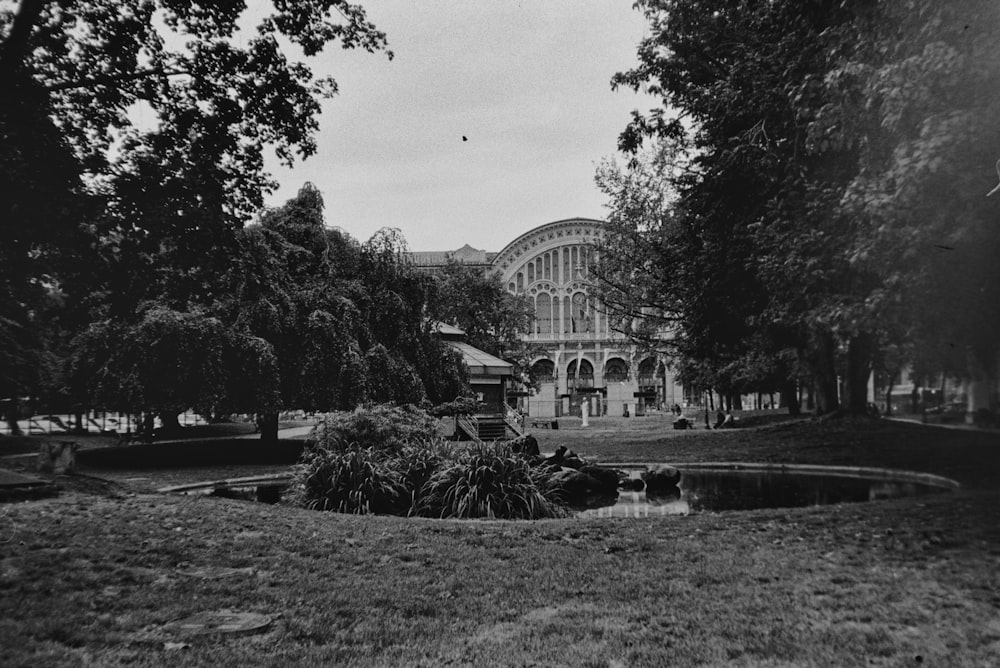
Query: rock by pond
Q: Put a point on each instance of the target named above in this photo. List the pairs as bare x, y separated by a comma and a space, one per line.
661, 478
526, 445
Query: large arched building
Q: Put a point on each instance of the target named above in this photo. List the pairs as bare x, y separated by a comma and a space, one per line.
578, 358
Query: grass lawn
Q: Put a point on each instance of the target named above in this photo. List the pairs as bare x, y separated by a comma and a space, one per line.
92, 579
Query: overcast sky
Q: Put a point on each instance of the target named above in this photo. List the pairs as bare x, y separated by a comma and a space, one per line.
528, 83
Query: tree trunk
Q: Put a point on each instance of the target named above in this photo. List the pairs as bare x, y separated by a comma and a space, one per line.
789, 398
825, 374
859, 369
979, 389
11, 417
269, 427
888, 395
170, 422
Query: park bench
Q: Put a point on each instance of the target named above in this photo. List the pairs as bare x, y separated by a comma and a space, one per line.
545, 424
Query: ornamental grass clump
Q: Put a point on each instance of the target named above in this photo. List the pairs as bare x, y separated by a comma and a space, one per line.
416, 463
356, 481
488, 481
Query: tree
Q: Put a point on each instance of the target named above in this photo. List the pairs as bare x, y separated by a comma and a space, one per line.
728, 69
814, 130
152, 203
493, 319
345, 322
661, 280
919, 103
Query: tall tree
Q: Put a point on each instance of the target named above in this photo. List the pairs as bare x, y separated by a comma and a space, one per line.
917, 101
345, 322
729, 70
824, 135
172, 187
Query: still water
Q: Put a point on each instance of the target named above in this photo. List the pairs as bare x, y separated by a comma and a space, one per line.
719, 489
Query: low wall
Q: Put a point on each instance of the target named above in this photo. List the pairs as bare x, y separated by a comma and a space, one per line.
179, 454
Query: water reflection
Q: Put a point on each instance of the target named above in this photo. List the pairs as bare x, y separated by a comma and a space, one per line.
719, 490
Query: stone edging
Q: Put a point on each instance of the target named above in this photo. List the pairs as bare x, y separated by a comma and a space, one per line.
211, 485
896, 475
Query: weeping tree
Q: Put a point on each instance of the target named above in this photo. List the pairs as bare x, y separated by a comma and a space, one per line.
344, 321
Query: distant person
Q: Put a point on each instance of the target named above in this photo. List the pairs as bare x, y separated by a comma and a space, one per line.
720, 419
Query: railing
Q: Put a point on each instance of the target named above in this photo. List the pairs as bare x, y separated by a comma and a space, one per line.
469, 424
580, 381
513, 419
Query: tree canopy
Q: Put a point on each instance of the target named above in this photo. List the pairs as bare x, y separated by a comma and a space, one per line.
133, 147
492, 318
836, 157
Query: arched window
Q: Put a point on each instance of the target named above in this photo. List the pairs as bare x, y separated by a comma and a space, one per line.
615, 370
585, 377
511, 286
580, 313
565, 265
520, 281
543, 313
548, 266
586, 368
647, 372
567, 316
531, 273
543, 370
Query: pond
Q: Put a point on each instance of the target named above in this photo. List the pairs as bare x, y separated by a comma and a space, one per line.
703, 487
716, 487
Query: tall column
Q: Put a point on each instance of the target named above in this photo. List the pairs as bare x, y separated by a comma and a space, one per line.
562, 327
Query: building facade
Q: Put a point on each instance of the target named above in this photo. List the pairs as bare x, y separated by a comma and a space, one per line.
580, 362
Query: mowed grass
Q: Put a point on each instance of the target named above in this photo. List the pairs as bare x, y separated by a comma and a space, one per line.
92, 580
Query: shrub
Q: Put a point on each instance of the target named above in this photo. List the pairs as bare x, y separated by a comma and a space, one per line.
491, 481
384, 428
416, 463
388, 460
355, 481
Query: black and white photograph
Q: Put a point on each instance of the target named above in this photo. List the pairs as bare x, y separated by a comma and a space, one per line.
585, 333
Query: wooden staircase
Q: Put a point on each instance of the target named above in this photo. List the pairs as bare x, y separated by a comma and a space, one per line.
492, 428
486, 428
